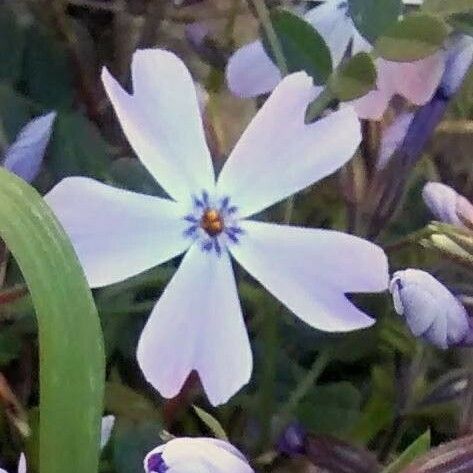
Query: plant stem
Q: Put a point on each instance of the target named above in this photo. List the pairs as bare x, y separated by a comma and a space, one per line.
274, 43
305, 385
271, 345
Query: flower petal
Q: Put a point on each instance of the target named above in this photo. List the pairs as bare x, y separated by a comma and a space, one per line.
197, 324
250, 72
25, 155
334, 25
373, 105
201, 454
458, 60
106, 430
162, 122
442, 202
117, 233
279, 154
310, 271
22, 464
416, 81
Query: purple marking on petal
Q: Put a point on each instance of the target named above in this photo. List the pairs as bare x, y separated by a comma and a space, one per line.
191, 231
231, 235
191, 219
224, 204
198, 202
232, 209
236, 230
205, 198
207, 245
156, 464
217, 246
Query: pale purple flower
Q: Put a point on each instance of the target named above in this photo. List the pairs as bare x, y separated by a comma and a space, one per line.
447, 205
416, 81
250, 72
431, 311
25, 155
197, 323
196, 455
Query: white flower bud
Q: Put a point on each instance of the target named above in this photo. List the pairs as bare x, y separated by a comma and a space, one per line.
431, 311
447, 205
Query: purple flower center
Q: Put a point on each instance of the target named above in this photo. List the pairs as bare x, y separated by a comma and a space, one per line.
156, 464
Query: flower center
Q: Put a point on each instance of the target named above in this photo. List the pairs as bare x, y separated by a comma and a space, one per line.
212, 222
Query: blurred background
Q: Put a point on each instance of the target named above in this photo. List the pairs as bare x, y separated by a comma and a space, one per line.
370, 394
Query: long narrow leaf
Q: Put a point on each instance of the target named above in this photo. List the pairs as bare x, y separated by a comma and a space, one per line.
71, 346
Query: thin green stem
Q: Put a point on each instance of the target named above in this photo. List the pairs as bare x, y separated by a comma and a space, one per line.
409, 240
274, 43
305, 385
267, 401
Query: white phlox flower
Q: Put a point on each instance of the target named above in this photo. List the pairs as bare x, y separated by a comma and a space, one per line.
250, 72
196, 455
197, 323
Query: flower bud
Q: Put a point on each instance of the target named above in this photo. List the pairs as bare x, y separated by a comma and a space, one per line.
431, 311
447, 205
459, 59
292, 439
196, 455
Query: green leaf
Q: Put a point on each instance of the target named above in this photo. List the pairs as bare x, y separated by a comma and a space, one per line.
14, 113
447, 7
412, 38
331, 409
131, 443
70, 340
130, 174
303, 47
124, 402
354, 79
212, 423
12, 43
77, 148
420, 446
378, 412
47, 70
462, 22
374, 17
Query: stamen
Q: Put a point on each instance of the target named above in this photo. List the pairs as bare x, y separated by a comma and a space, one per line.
212, 222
